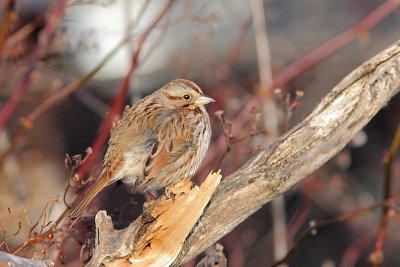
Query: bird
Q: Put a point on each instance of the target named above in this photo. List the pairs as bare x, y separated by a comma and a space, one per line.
158, 141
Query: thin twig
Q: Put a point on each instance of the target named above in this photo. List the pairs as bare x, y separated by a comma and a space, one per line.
270, 111
313, 230
318, 54
262, 43
37, 238
5, 23
376, 257
115, 110
28, 122
5, 242
106, 124
41, 47
336, 43
333, 123
354, 252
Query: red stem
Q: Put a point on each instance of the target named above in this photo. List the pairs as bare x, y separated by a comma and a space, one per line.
41, 48
377, 255
115, 110
116, 107
334, 44
5, 23
309, 60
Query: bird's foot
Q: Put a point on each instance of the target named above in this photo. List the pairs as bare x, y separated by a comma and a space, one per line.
182, 186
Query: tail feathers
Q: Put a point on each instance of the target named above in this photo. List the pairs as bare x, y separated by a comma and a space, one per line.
79, 207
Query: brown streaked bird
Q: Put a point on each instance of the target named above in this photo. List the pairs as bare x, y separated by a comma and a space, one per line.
159, 140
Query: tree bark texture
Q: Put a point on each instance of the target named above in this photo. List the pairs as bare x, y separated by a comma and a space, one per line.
332, 124
157, 236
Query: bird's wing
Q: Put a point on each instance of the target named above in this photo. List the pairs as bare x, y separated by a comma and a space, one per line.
172, 143
128, 134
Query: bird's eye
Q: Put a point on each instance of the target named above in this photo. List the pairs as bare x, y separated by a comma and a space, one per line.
186, 97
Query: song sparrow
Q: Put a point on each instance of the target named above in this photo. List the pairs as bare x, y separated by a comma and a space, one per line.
158, 141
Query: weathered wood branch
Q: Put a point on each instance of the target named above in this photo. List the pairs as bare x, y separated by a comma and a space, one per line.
333, 123
157, 236
16, 261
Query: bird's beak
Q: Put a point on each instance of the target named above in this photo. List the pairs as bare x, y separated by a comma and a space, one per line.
204, 100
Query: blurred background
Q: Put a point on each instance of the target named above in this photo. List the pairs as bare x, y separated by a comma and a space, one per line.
67, 68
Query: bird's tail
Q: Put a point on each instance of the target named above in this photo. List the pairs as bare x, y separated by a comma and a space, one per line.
79, 207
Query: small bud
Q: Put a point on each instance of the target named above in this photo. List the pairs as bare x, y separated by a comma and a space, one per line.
295, 104
266, 131
219, 114
299, 93
89, 150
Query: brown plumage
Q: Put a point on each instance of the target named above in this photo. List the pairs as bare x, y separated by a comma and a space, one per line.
161, 139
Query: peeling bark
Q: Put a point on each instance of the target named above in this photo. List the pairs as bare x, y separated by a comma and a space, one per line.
157, 236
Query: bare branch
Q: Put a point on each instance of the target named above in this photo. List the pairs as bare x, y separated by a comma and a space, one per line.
12, 260
333, 123
156, 237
